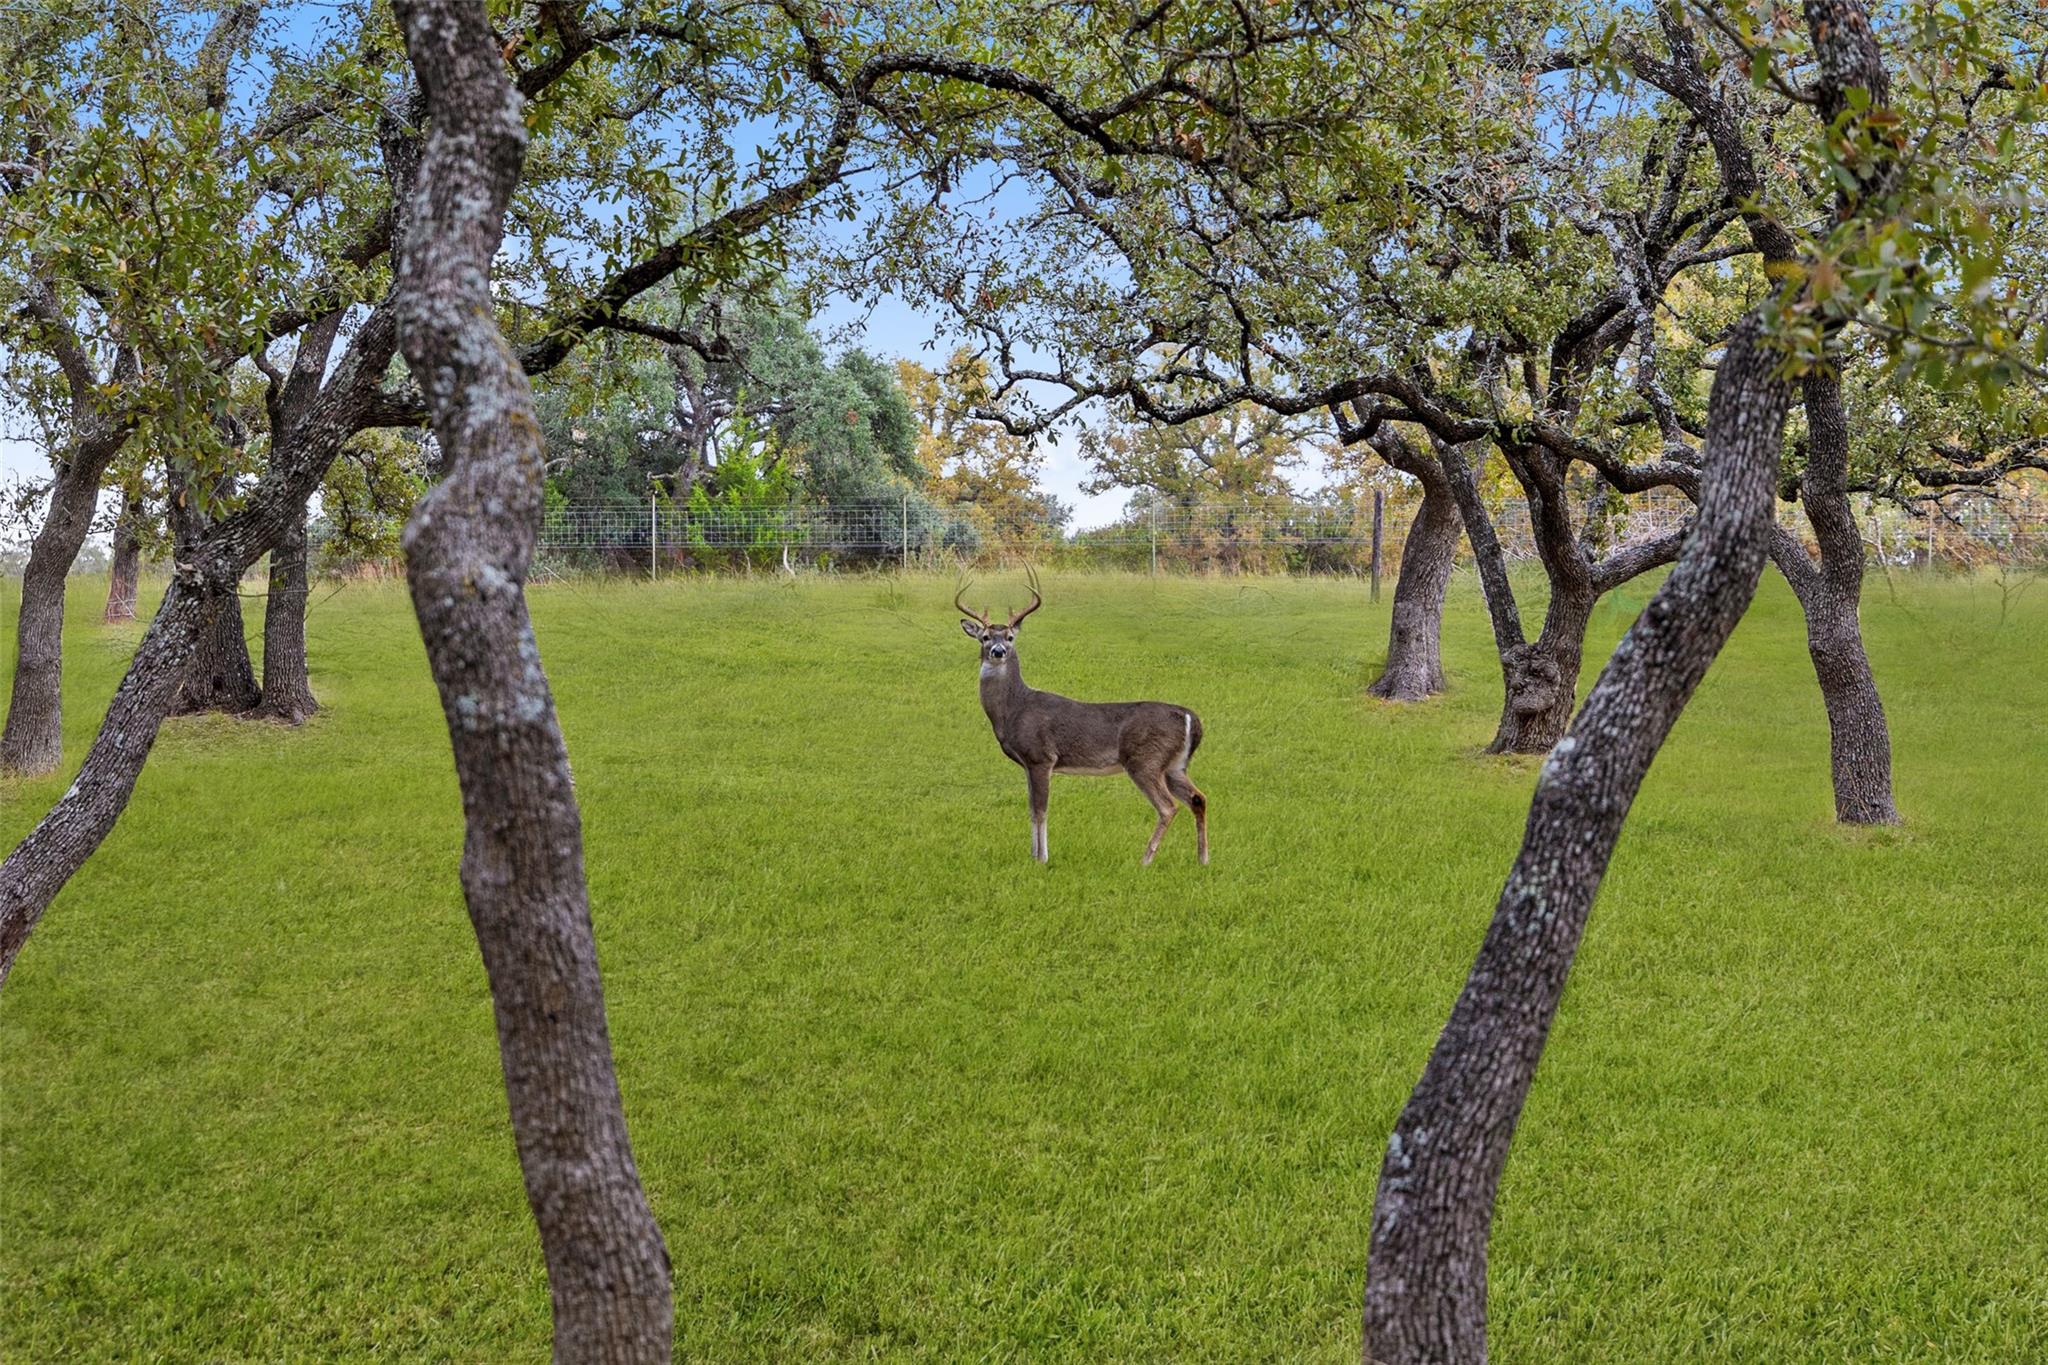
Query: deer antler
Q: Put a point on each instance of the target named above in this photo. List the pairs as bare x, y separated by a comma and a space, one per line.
965, 610
1031, 577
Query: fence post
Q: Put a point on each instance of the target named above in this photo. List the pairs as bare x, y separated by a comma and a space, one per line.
1379, 521
1152, 524
653, 538
906, 533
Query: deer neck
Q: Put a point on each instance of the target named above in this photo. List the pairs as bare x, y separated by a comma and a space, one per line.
1002, 686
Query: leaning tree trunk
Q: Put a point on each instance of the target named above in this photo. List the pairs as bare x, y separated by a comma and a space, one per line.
124, 581
203, 580
1414, 669
1425, 1298
468, 549
1859, 739
43, 862
33, 741
287, 692
1498, 589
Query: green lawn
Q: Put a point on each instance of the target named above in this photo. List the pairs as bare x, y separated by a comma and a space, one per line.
899, 1093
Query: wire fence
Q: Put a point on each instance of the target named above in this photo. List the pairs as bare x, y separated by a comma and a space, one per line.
1325, 535
2004, 527
1270, 536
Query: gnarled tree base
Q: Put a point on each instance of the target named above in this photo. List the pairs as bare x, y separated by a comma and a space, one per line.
219, 676
1541, 684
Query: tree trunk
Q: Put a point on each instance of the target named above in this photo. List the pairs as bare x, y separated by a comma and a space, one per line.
468, 548
1502, 612
1859, 739
203, 581
33, 741
1542, 678
220, 676
287, 692
1414, 668
124, 581
57, 847
692, 417
1425, 1298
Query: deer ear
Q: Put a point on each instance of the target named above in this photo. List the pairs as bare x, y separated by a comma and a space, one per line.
973, 628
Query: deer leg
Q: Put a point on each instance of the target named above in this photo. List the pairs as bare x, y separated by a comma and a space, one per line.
1041, 795
1177, 782
1154, 787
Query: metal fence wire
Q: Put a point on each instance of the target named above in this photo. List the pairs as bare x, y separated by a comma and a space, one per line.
1268, 536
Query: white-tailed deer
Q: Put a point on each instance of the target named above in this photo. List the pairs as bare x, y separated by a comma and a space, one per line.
1045, 733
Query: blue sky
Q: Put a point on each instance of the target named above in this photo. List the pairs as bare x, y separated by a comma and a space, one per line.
891, 329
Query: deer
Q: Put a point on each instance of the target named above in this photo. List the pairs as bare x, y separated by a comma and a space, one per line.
1044, 733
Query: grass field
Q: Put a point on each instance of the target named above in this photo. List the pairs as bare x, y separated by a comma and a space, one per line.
899, 1093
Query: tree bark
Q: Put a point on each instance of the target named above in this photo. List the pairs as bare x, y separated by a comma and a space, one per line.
1502, 612
468, 548
219, 676
1539, 679
1414, 669
1425, 1299
1542, 677
33, 740
124, 581
692, 416
203, 580
43, 862
1859, 740
1830, 593
287, 691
